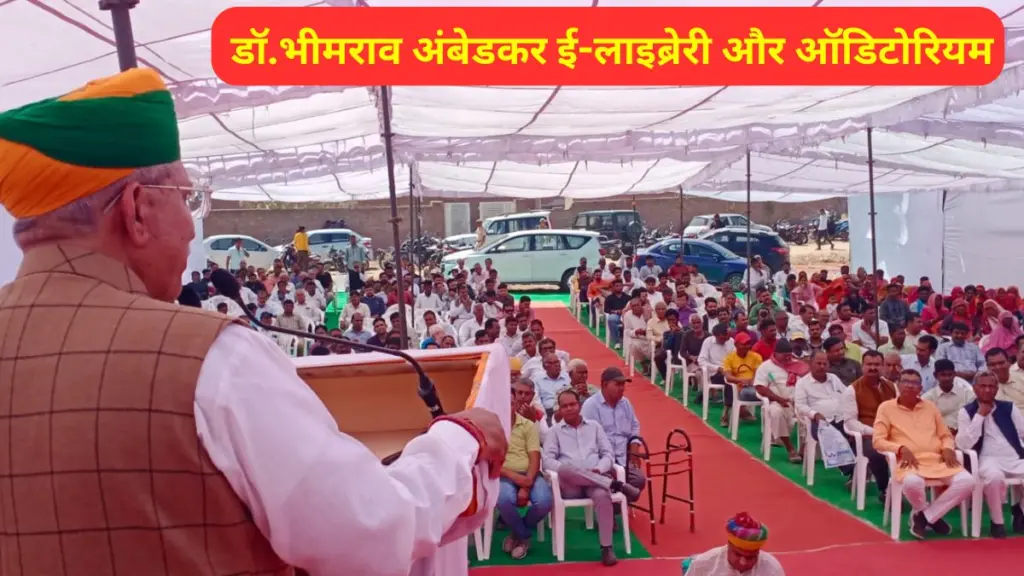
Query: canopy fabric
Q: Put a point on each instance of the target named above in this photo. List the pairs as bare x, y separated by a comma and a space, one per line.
324, 143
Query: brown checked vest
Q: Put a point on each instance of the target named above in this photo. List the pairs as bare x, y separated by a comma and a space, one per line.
101, 469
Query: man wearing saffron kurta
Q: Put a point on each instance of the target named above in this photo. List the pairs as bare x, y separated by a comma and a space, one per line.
913, 430
149, 438
741, 555
994, 429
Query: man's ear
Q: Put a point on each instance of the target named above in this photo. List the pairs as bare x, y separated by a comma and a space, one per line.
131, 203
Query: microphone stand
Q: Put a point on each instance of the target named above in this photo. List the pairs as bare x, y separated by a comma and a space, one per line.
426, 390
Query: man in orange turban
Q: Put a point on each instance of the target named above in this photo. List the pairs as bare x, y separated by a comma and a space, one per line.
150, 438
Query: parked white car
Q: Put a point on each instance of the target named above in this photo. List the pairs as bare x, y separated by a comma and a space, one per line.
534, 256
498, 227
701, 224
460, 241
261, 255
322, 240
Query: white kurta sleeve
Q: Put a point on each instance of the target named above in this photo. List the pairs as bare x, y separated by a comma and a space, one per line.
324, 501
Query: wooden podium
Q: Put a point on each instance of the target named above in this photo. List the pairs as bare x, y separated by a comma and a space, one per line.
373, 398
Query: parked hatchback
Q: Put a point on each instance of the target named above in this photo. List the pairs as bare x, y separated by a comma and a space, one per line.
716, 263
702, 224
768, 245
534, 256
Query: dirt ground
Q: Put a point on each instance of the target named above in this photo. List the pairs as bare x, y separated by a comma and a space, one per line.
808, 258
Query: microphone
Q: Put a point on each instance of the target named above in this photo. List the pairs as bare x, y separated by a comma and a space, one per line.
226, 285
188, 297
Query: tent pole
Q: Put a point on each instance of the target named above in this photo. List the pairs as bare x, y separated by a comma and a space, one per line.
120, 14
749, 300
412, 223
681, 223
874, 239
389, 153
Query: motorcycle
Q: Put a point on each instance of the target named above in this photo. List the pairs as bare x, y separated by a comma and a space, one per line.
842, 231
793, 233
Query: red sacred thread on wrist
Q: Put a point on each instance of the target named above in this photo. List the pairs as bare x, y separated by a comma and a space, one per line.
478, 435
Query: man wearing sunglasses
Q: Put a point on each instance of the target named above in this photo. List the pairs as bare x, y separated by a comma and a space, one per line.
150, 435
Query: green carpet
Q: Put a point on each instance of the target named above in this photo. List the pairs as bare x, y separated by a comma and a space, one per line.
581, 545
829, 485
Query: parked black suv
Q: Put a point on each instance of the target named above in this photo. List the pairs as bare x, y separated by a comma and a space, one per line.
625, 225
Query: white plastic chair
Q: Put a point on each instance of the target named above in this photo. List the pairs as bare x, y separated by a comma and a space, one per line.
860, 468
484, 536
810, 452
737, 406
978, 497
627, 350
706, 387
558, 513
671, 370
893, 513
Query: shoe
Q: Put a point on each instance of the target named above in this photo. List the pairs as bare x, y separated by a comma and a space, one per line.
918, 526
941, 527
796, 458
630, 492
997, 530
520, 550
1018, 520
608, 556
508, 544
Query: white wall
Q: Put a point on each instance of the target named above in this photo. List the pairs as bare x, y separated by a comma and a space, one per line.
196, 252
910, 232
984, 239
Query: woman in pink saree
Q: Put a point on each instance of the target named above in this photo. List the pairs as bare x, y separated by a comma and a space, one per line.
1004, 335
804, 293
932, 314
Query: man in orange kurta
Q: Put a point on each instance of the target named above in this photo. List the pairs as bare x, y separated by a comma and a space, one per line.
914, 430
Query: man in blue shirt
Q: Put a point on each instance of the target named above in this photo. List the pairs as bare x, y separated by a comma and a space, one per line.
612, 410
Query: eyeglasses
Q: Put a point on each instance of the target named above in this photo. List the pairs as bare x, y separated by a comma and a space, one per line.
197, 199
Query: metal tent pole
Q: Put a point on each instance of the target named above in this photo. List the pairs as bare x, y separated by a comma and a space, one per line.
749, 275
412, 222
120, 14
681, 223
874, 239
389, 153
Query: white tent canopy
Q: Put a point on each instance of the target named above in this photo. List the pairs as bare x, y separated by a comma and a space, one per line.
324, 143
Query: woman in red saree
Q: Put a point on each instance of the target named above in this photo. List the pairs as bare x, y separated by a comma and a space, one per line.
932, 314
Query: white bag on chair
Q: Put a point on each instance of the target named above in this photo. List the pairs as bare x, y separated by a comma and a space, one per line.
835, 450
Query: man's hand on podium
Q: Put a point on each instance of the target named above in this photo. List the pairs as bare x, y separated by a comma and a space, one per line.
495, 442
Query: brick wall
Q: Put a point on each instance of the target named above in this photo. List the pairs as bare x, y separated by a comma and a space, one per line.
373, 218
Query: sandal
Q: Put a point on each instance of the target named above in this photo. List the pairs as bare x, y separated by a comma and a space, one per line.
520, 549
509, 544
796, 458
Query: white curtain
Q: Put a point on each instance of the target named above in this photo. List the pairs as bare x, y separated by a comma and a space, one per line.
10, 254
910, 234
984, 240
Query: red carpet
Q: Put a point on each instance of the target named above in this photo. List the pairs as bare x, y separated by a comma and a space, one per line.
945, 558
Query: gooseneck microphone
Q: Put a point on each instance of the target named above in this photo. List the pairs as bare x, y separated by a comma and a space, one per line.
226, 285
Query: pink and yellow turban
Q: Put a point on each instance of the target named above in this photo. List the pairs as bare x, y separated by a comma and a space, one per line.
746, 533
56, 151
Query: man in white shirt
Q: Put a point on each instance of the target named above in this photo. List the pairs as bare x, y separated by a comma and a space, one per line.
354, 306
864, 334
461, 308
511, 338
356, 332
950, 395
428, 299
236, 256
634, 326
823, 229
304, 308
779, 280
757, 274
529, 358
994, 429
713, 352
774, 382
551, 381
468, 329
819, 399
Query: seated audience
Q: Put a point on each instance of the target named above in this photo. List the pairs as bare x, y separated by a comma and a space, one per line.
775, 380
860, 402
579, 451
994, 429
845, 369
819, 399
898, 342
965, 355
739, 368
914, 431
1011, 384
551, 381
950, 395
521, 483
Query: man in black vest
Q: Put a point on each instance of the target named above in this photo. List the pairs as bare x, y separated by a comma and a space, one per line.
994, 429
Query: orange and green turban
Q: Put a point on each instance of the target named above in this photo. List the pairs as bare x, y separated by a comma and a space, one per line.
56, 151
746, 533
